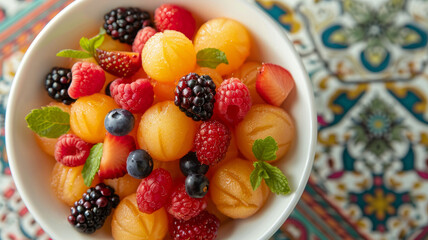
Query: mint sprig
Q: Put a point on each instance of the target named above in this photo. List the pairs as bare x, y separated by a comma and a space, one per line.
89, 45
211, 57
92, 164
50, 122
265, 150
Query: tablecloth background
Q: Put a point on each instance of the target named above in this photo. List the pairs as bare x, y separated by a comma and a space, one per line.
367, 61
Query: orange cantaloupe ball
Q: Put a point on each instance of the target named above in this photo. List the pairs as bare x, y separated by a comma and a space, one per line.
165, 132
67, 183
88, 114
231, 190
168, 55
123, 186
227, 35
261, 121
129, 223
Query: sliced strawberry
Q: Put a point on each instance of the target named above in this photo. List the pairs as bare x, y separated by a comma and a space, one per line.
274, 83
118, 63
115, 152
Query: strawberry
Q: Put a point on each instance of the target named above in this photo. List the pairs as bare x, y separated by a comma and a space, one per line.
274, 83
115, 153
118, 63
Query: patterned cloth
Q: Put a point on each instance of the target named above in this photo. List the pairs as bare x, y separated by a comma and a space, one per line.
368, 64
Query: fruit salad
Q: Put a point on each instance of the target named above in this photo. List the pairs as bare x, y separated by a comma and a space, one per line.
164, 125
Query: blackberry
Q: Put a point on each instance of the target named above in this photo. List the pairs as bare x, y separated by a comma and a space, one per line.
124, 23
57, 83
194, 95
90, 212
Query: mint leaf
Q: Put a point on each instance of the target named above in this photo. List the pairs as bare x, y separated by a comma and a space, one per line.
96, 42
92, 164
73, 54
257, 175
276, 180
211, 57
89, 45
50, 122
102, 31
84, 43
265, 149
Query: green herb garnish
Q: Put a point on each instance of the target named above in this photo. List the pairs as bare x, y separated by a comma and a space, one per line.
211, 57
50, 122
265, 150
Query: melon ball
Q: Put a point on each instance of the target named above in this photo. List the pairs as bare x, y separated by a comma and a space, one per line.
261, 121
165, 132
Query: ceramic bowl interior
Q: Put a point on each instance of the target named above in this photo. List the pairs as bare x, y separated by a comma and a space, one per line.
31, 168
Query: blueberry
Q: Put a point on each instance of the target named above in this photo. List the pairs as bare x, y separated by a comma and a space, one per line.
196, 185
139, 164
107, 90
190, 164
119, 122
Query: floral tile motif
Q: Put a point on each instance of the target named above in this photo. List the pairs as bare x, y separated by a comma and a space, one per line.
366, 41
368, 64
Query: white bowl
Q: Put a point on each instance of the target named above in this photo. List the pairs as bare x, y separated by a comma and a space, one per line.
31, 170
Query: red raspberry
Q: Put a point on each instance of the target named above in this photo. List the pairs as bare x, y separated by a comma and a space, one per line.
154, 190
211, 142
87, 79
172, 17
142, 37
184, 207
233, 100
71, 151
202, 227
136, 96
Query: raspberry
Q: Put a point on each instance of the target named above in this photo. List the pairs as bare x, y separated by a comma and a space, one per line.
124, 23
202, 227
90, 212
172, 17
136, 96
194, 95
184, 207
233, 100
87, 78
71, 151
211, 142
154, 190
142, 37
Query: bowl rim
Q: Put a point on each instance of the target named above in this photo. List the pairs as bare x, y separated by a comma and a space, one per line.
313, 127
14, 94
